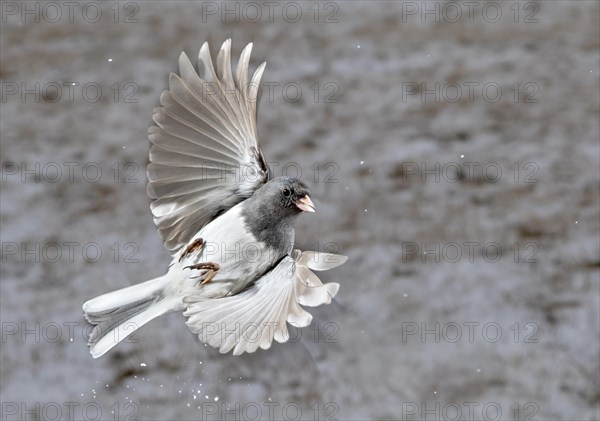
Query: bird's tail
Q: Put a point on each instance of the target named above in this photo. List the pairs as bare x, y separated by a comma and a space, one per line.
119, 313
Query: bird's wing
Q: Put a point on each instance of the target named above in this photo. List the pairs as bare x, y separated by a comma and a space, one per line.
255, 317
205, 156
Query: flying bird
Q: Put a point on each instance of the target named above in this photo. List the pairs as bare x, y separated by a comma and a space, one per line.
234, 273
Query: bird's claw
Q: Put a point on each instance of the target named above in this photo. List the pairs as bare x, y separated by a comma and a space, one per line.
209, 269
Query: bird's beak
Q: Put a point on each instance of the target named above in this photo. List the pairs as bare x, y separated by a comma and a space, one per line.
305, 204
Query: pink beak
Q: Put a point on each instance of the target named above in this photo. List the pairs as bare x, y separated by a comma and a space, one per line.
305, 204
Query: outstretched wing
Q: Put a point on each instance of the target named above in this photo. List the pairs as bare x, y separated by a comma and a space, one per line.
205, 156
257, 316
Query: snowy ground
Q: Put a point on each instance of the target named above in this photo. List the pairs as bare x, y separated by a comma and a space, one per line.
472, 140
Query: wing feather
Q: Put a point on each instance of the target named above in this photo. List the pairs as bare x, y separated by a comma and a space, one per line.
205, 157
259, 315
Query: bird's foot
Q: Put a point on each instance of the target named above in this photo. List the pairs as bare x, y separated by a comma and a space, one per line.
209, 269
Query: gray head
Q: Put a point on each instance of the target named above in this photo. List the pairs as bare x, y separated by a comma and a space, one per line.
272, 210
283, 197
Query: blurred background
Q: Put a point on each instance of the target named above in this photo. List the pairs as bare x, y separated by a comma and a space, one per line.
452, 149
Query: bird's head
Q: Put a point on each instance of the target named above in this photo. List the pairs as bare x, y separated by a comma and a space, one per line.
286, 197
291, 194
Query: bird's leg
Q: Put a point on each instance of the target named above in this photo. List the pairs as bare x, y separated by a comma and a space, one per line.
194, 247
209, 268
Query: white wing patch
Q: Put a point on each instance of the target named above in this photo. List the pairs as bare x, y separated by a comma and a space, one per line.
254, 318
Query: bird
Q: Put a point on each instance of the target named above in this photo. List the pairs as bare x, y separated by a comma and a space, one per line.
235, 274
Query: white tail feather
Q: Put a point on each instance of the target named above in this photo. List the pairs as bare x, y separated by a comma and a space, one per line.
120, 313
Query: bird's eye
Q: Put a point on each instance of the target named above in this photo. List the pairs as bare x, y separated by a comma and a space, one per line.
286, 192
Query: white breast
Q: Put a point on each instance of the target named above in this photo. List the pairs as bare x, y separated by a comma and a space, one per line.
228, 243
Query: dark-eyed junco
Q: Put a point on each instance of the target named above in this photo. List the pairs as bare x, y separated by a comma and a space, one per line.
234, 273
